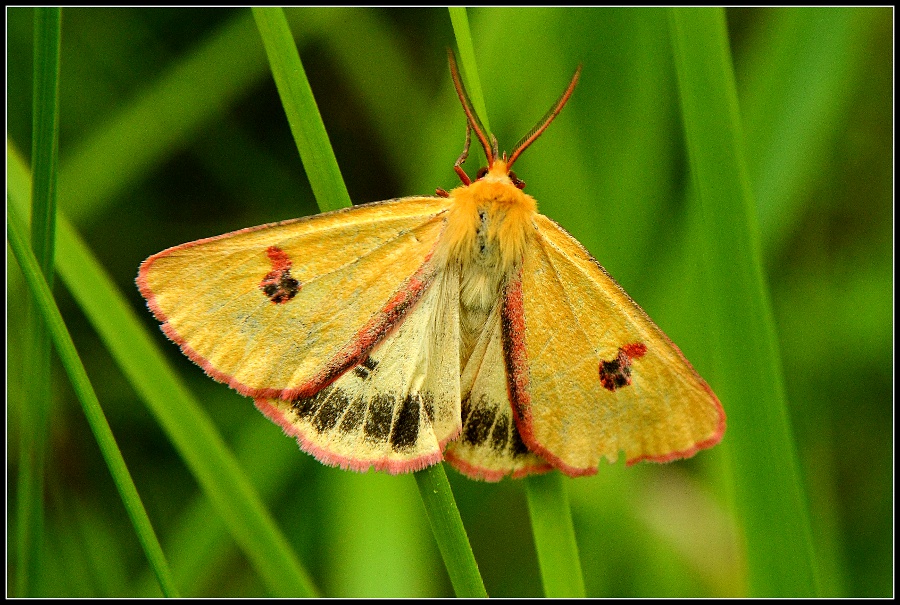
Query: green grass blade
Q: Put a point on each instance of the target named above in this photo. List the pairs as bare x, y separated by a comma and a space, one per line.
34, 415
449, 532
301, 109
554, 536
190, 430
460, 20
45, 141
769, 490
88, 398
198, 541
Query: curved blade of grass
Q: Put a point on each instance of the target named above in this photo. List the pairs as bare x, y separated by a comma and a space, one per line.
460, 20
302, 112
554, 536
34, 413
548, 503
40, 291
769, 493
449, 532
331, 194
188, 427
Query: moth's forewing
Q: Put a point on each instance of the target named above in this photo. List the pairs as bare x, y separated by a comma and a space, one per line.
590, 374
268, 309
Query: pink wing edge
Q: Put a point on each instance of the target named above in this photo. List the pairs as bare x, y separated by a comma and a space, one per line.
473, 471
393, 467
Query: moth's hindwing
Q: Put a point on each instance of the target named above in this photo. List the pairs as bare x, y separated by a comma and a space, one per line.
396, 409
489, 446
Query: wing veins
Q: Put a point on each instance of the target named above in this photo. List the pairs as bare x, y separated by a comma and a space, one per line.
565, 294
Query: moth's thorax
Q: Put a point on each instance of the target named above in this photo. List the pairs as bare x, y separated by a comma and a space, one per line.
489, 223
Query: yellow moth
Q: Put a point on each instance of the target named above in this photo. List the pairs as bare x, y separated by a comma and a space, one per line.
464, 327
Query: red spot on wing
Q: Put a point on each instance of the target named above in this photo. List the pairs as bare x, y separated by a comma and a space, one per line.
616, 373
634, 350
280, 260
278, 284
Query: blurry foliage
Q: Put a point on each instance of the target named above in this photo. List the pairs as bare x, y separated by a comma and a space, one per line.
172, 130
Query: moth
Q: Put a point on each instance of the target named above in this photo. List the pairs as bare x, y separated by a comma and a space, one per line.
463, 326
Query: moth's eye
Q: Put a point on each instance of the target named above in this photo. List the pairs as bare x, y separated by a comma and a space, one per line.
516, 181
481, 172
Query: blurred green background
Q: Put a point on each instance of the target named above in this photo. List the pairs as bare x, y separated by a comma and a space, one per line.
172, 130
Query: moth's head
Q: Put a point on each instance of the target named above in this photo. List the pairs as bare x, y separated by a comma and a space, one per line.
499, 166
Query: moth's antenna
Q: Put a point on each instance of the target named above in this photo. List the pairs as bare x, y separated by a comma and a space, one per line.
541, 126
474, 121
462, 158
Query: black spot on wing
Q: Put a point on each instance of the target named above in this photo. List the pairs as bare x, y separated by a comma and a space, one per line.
365, 368
405, 431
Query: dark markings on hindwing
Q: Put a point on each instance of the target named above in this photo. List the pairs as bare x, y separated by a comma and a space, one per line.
378, 422
331, 410
331, 407
465, 409
428, 406
365, 368
405, 431
356, 413
479, 424
517, 447
306, 407
500, 434
483, 425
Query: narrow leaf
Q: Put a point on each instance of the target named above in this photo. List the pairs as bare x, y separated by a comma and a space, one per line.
34, 413
449, 532
554, 536
768, 487
302, 112
188, 427
40, 291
